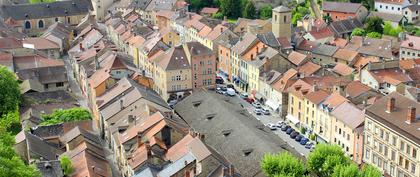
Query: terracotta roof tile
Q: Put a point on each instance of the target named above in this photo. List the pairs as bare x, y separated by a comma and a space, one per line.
343, 69
283, 83
356, 88
209, 10
317, 97
309, 68
346, 55
296, 58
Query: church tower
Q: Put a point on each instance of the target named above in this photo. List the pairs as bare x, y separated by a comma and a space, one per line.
281, 22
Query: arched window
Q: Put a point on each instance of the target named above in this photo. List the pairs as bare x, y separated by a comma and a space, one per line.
27, 25
40, 24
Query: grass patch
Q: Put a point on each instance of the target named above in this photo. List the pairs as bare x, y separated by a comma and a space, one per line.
40, 1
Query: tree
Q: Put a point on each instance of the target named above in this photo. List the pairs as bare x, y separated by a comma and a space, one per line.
327, 19
266, 12
66, 165
374, 35
299, 12
324, 158
374, 24
230, 8
345, 171
282, 164
10, 122
10, 162
390, 30
67, 115
358, 32
9, 91
370, 171
217, 15
249, 10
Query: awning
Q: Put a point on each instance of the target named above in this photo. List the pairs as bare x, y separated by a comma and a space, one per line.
272, 104
292, 119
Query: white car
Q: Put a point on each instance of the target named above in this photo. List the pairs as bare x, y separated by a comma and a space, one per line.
265, 111
244, 95
279, 124
256, 105
230, 92
258, 111
271, 126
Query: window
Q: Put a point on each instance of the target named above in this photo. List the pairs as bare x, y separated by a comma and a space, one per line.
408, 150
413, 168
348, 137
275, 17
414, 155
385, 150
402, 145
284, 19
56, 19
367, 154
195, 76
392, 155
68, 20
27, 25
41, 24
386, 136
381, 134
59, 84
178, 78
394, 140
407, 164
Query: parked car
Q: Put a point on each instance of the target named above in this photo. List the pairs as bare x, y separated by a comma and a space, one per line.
230, 86
294, 134
303, 141
257, 111
172, 103
279, 124
309, 145
244, 95
265, 111
271, 126
230, 92
290, 130
256, 104
284, 127
249, 100
219, 80
298, 138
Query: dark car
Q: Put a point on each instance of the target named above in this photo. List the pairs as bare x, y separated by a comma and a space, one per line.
298, 138
230, 86
294, 134
309, 145
303, 141
219, 81
289, 131
285, 127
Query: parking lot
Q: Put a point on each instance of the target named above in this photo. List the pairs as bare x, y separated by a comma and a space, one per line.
272, 118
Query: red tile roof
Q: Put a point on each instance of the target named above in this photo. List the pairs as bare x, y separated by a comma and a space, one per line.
209, 10
296, 58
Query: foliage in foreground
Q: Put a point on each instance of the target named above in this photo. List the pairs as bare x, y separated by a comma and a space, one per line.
9, 91
67, 115
282, 164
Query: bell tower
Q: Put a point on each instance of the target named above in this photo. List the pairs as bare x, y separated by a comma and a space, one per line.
281, 22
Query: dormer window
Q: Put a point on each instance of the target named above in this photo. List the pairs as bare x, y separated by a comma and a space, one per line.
246, 152
226, 132
196, 103
210, 116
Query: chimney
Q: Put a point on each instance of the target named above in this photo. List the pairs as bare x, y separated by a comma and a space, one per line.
81, 47
221, 29
121, 104
225, 171
418, 96
315, 86
231, 170
96, 62
202, 137
411, 115
390, 106
148, 149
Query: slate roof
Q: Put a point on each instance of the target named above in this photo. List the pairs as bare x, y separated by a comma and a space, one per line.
196, 48
173, 59
345, 7
46, 10
37, 146
396, 18
345, 26
349, 114
281, 9
327, 50
44, 75
230, 130
269, 39
50, 168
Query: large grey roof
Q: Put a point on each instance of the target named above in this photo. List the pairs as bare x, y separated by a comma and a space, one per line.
213, 115
46, 10
282, 9
324, 49
50, 168
345, 26
341, 6
37, 146
386, 16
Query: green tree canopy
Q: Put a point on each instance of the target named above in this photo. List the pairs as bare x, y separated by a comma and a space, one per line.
66, 165
324, 158
374, 35
371, 171
9, 91
10, 162
392, 31
230, 8
249, 11
374, 24
217, 15
282, 164
346, 171
67, 115
266, 12
358, 32
299, 12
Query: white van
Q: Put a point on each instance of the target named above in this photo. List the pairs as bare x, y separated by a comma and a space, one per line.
230, 92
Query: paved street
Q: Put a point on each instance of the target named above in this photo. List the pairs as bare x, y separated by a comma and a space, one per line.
74, 87
272, 118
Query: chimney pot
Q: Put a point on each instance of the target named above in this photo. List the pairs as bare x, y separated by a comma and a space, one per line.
390, 105
231, 170
411, 115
